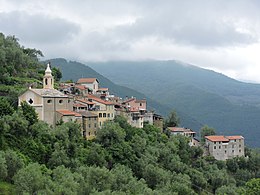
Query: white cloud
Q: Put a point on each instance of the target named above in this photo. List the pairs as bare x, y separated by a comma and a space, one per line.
220, 35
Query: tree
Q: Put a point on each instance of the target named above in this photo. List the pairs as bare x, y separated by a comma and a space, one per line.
205, 131
14, 163
56, 73
29, 113
5, 107
111, 133
253, 186
65, 182
32, 179
172, 120
3, 166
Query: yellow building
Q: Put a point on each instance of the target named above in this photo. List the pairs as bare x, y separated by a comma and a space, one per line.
89, 124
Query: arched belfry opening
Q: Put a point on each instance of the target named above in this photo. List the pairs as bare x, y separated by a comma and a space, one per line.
48, 78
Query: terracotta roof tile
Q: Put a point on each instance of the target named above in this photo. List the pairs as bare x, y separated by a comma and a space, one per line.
235, 137
68, 113
217, 138
87, 80
81, 87
94, 98
180, 129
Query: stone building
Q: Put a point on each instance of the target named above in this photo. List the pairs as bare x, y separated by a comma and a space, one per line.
47, 101
225, 147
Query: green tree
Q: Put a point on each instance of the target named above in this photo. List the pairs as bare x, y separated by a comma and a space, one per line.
172, 120
57, 74
5, 107
3, 166
205, 131
29, 113
253, 186
96, 179
32, 179
65, 182
14, 163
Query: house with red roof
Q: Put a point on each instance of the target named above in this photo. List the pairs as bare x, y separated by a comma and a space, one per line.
90, 83
225, 147
185, 132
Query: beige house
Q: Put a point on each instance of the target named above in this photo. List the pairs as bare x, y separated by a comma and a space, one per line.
225, 147
90, 125
185, 132
68, 116
47, 101
134, 104
90, 83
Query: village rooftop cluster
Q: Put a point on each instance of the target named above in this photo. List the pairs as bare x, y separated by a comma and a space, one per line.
86, 103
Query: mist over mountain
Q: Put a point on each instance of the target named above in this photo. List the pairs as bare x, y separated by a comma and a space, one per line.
228, 105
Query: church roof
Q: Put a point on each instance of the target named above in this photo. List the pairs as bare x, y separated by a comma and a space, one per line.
48, 92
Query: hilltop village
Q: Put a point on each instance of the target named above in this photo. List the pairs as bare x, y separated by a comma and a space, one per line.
91, 106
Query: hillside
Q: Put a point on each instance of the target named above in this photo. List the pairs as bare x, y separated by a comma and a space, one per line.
230, 106
75, 70
19, 68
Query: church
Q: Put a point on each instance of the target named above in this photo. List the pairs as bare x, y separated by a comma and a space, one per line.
49, 103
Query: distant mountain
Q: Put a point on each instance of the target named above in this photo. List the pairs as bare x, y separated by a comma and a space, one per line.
228, 105
74, 70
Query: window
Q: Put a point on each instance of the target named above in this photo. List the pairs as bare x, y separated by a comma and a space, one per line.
233, 151
104, 115
108, 115
89, 125
232, 146
219, 142
235, 140
100, 115
112, 115
68, 101
30, 101
219, 147
46, 81
89, 118
89, 133
215, 147
214, 142
239, 150
95, 125
141, 104
49, 101
239, 145
225, 151
60, 101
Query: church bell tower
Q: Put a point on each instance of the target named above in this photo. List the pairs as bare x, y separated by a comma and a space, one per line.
48, 81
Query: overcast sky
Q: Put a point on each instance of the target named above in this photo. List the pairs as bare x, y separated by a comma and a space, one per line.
222, 35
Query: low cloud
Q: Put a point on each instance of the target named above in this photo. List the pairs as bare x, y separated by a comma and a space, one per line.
37, 28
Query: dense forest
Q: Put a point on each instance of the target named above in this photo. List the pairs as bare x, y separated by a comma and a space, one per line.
38, 159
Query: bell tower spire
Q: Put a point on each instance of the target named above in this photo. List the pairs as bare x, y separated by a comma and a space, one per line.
48, 81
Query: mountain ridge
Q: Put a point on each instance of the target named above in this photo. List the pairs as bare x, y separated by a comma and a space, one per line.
228, 105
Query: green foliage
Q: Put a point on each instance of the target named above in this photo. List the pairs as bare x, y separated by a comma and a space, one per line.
56, 73
253, 186
31, 179
5, 107
205, 131
29, 113
3, 166
172, 120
